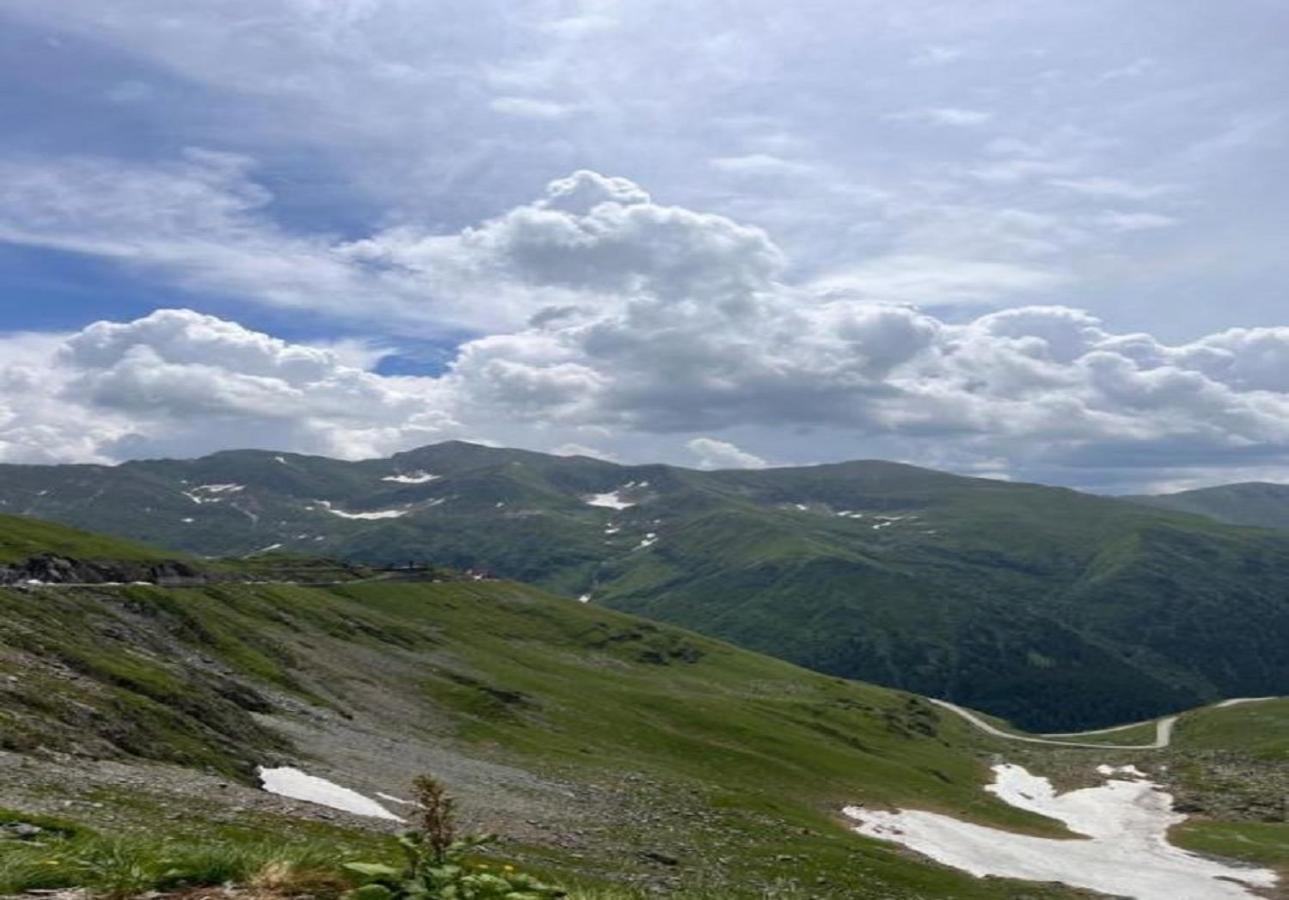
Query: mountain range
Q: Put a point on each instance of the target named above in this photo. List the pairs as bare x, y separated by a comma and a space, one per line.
621, 757
1049, 607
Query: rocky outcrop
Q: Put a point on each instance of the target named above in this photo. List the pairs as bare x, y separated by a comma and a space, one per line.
48, 568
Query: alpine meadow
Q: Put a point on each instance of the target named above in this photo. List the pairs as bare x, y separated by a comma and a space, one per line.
627, 449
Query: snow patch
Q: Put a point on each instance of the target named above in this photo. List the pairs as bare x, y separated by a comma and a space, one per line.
411, 478
286, 781
585, 598
211, 493
1125, 853
280, 459
649, 540
374, 514
610, 500
1122, 770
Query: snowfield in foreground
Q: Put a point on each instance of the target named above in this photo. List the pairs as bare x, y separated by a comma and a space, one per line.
1126, 853
289, 782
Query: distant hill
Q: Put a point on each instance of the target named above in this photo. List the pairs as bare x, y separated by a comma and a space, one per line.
1055, 609
1252, 503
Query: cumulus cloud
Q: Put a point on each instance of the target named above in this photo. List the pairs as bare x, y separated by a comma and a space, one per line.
618, 316
714, 454
177, 381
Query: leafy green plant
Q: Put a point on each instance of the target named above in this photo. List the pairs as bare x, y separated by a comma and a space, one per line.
438, 867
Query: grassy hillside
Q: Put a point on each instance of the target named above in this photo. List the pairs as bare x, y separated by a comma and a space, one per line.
595, 741
1055, 609
610, 752
22, 537
1254, 503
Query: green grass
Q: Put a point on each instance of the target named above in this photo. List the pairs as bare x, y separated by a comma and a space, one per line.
1234, 762
1135, 735
754, 755
128, 865
1264, 843
1258, 729
22, 538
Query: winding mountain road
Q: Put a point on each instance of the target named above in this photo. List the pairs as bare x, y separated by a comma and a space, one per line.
1163, 728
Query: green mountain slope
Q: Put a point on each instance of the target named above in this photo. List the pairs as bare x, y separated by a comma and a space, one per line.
1052, 608
597, 743
606, 749
1253, 503
22, 538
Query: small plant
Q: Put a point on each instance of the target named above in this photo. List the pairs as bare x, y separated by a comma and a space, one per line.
437, 867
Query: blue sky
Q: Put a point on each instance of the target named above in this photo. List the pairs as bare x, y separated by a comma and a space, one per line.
1030, 240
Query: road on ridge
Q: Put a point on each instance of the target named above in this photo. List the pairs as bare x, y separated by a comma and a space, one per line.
1163, 728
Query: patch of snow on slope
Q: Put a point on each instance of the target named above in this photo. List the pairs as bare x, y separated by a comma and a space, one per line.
289, 782
374, 514
611, 499
649, 540
202, 493
1126, 852
412, 478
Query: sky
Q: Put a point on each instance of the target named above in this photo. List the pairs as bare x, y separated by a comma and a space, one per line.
1031, 240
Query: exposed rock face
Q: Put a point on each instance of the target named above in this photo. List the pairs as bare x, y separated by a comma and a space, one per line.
50, 569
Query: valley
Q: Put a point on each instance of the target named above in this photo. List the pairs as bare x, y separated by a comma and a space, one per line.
1024, 601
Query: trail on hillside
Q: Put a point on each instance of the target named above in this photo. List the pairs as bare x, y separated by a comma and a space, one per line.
1163, 728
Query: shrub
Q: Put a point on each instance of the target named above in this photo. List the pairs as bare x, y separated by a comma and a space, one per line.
437, 866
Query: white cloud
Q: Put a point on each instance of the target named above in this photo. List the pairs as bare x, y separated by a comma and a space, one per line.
953, 116
1024, 391
615, 316
1101, 186
531, 107
714, 454
574, 449
1134, 221
178, 381
936, 281
759, 164
937, 55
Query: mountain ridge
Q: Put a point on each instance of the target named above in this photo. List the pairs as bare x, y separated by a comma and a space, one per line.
992, 594
1261, 504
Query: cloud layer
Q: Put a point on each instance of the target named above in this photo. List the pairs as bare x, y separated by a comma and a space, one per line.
620, 322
